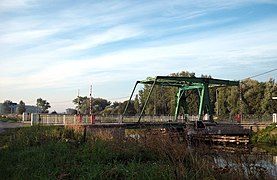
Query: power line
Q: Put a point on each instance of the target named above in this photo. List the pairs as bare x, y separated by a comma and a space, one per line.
261, 74
116, 98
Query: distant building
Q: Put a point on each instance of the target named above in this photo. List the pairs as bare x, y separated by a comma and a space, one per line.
29, 109
1, 108
12, 110
71, 111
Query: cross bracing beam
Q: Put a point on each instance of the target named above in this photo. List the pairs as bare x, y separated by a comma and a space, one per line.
182, 81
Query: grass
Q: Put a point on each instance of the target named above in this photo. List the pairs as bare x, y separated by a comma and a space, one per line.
61, 153
9, 119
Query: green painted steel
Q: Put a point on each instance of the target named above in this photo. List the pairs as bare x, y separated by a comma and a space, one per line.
143, 109
184, 84
129, 100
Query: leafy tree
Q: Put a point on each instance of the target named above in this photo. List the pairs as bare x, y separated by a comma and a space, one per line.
21, 107
99, 104
137, 104
233, 101
268, 105
130, 110
43, 105
83, 104
6, 107
252, 96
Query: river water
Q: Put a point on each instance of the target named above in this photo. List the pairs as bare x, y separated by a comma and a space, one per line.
251, 161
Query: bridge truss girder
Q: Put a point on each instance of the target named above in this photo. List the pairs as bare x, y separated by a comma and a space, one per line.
184, 84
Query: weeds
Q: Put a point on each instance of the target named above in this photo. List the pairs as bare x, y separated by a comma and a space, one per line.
60, 153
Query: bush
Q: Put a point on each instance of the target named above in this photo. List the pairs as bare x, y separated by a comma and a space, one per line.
267, 135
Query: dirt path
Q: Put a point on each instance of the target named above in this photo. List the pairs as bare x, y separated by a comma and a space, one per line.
6, 125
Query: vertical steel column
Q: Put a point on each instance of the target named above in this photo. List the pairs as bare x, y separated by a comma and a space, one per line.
200, 111
205, 102
180, 95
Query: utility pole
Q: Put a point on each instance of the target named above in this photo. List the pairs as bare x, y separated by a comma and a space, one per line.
79, 104
90, 106
217, 103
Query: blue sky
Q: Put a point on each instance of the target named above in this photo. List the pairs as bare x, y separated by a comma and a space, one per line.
52, 48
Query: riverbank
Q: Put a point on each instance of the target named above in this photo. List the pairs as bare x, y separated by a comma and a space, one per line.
63, 153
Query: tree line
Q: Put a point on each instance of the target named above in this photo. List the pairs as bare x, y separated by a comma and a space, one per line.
252, 97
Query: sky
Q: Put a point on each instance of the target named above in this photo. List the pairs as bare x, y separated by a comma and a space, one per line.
53, 49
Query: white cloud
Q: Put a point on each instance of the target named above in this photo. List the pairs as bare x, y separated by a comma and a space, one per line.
127, 42
11, 4
25, 37
206, 54
111, 35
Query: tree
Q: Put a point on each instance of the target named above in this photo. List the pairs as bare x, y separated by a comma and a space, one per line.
43, 105
130, 110
269, 105
99, 104
83, 104
252, 95
21, 107
6, 107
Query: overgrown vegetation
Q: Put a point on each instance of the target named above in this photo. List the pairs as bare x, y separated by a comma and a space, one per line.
63, 153
267, 135
9, 119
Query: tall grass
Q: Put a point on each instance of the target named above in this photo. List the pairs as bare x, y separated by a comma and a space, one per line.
61, 153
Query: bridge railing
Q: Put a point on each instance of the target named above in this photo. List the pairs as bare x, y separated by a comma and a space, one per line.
55, 119
247, 118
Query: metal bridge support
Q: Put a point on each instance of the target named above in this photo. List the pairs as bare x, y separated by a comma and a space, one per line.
181, 101
205, 105
184, 84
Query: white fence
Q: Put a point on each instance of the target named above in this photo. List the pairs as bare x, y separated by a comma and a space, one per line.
63, 119
56, 119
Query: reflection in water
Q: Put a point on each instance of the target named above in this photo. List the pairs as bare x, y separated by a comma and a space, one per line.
252, 162
274, 160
